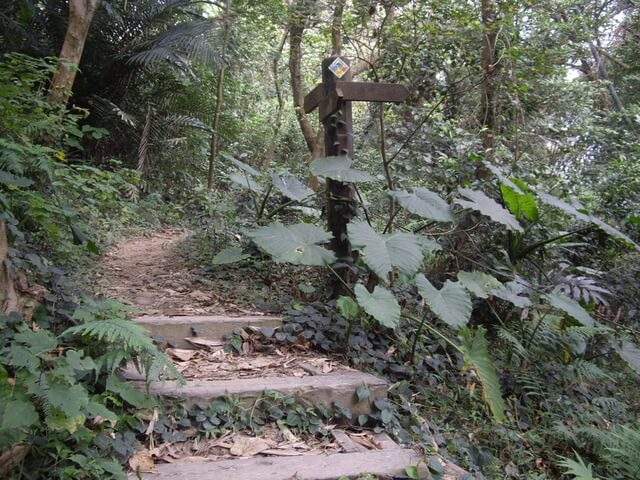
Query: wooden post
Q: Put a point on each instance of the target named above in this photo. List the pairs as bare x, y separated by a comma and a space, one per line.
338, 140
333, 99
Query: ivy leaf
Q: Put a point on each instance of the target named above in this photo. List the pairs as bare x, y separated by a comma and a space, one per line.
383, 252
19, 414
570, 307
296, 244
451, 303
246, 182
291, 187
477, 200
482, 285
339, 168
229, 255
475, 349
362, 393
425, 203
381, 305
521, 205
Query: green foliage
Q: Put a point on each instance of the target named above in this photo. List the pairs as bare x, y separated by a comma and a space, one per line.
297, 244
451, 303
475, 350
339, 169
570, 307
425, 203
380, 304
384, 252
578, 468
479, 201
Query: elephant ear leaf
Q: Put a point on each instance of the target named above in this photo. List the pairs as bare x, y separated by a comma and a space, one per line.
451, 304
298, 244
522, 205
383, 252
425, 203
482, 285
477, 200
570, 307
291, 187
339, 168
380, 304
475, 350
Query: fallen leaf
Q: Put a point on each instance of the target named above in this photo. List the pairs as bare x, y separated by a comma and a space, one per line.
180, 354
142, 461
244, 446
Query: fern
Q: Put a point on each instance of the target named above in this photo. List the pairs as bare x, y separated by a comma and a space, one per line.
624, 451
476, 353
577, 468
129, 339
588, 372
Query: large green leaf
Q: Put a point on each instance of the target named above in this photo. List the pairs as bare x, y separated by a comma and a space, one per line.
477, 200
482, 285
574, 212
18, 414
297, 243
242, 166
630, 353
425, 203
246, 181
339, 168
291, 187
521, 205
570, 307
451, 304
229, 255
475, 350
383, 252
381, 305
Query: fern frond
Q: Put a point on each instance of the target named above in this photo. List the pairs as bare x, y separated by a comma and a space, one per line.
577, 468
588, 372
624, 448
610, 406
517, 347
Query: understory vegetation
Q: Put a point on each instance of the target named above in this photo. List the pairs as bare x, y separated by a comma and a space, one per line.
492, 221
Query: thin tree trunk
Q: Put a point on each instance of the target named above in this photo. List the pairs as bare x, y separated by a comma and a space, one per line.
277, 123
81, 13
143, 146
487, 87
297, 24
219, 99
336, 28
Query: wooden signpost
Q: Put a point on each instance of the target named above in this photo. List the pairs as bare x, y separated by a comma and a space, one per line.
333, 99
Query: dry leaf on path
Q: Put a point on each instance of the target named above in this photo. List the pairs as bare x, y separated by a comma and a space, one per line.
142, 461
180, 354
244, 446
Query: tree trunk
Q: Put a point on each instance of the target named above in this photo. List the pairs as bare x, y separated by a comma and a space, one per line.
81, 14
297, 24
277, 123
219, 99
487, 87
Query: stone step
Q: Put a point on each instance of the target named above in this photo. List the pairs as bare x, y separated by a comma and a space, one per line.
174, 330
339, 387
383, 463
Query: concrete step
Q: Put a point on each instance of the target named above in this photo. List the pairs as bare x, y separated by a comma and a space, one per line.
384, 463
339, 387
174, 330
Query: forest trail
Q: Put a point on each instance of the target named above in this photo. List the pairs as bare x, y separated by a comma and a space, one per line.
146, 273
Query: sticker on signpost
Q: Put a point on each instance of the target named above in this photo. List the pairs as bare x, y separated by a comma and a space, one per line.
339, 67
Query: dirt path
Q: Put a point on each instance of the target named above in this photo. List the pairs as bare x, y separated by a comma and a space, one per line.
146, 273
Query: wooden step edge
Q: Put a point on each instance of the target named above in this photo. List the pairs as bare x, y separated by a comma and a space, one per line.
323, 389
174, 330
304, 467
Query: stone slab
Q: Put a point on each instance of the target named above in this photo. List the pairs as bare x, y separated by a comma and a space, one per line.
384, 463
318, 389
176, 329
